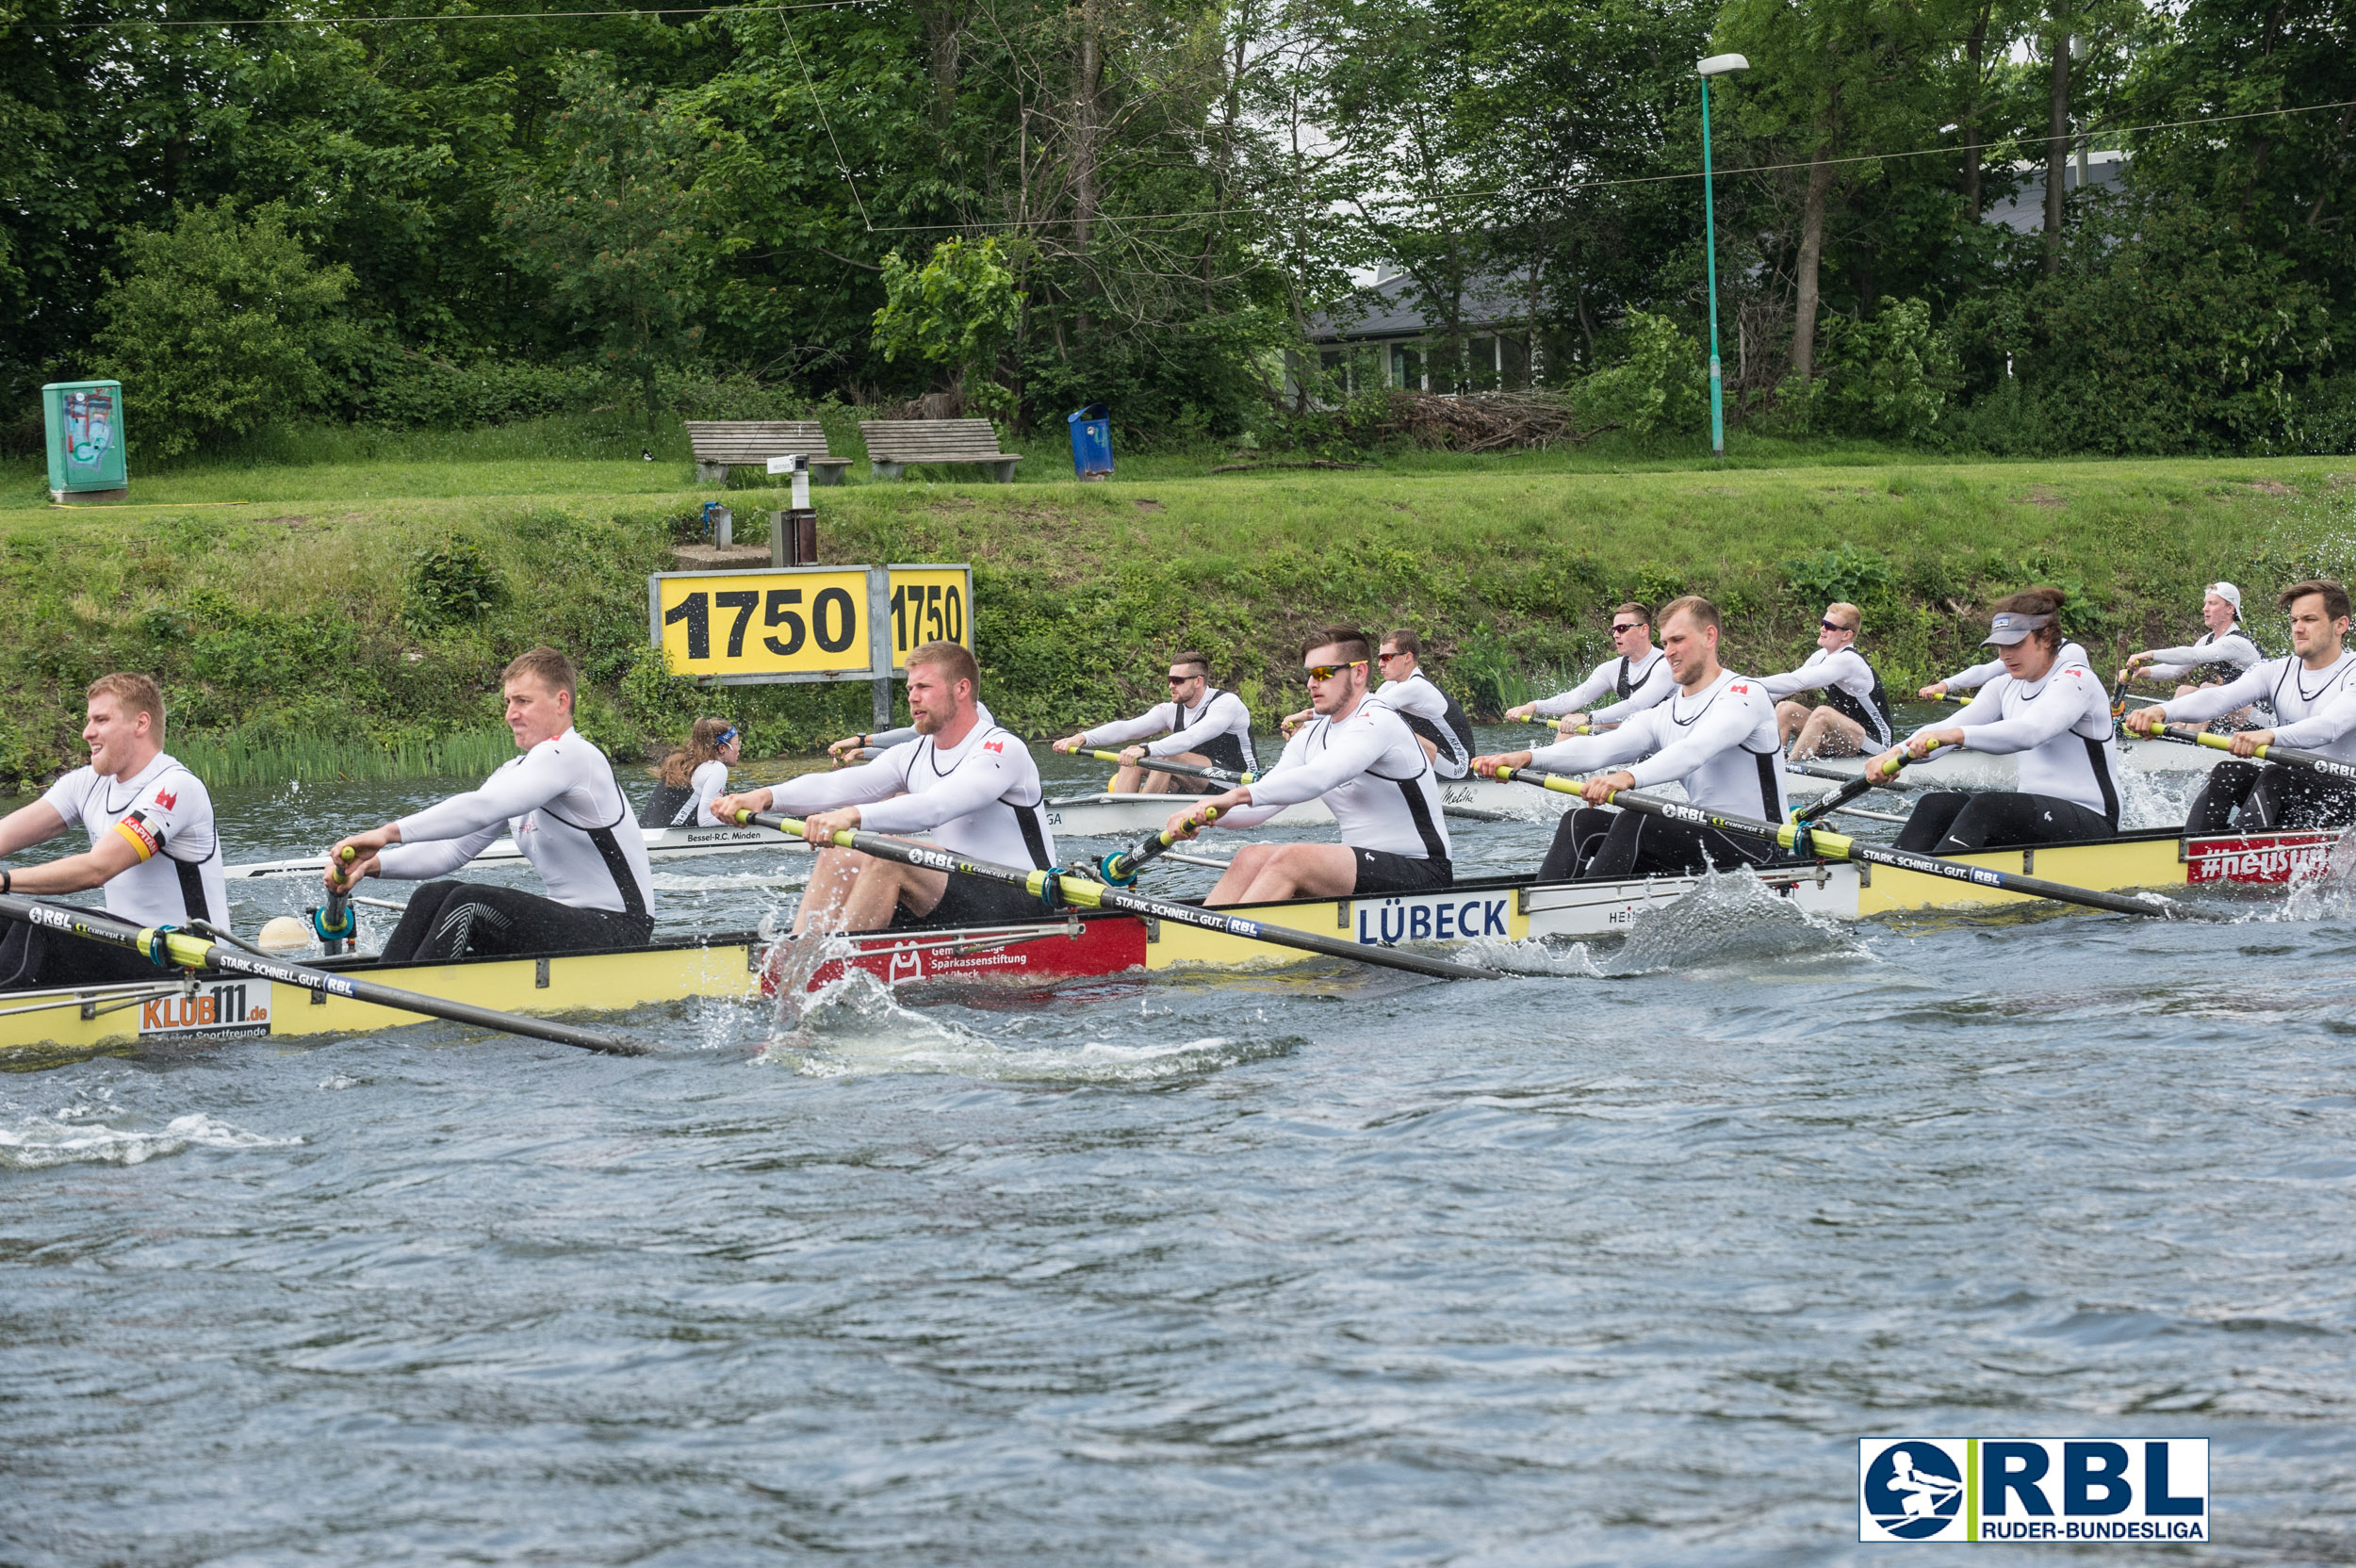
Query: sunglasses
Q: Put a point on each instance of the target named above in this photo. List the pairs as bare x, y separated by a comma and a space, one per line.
1622, 630
1327, 672
1386, 658
1181, 679
1832, 626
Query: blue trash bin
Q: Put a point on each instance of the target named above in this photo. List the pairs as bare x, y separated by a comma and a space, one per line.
1091, 441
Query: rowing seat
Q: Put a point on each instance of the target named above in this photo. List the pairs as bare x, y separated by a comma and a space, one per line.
719, 445
893, 443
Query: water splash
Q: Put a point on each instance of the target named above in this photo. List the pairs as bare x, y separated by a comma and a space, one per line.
39, 1142
1532, 955
2327, 894
1729, 919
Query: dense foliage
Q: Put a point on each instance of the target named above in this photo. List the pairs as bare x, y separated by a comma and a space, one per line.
492, 217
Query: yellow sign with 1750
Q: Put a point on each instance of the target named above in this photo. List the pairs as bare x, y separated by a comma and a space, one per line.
805, 623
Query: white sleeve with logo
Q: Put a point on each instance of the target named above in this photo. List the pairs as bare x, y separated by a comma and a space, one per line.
2076, 693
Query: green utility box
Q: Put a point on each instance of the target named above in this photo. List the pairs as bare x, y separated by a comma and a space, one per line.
85, 420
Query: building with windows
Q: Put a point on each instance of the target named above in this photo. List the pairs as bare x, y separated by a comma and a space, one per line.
1383, 337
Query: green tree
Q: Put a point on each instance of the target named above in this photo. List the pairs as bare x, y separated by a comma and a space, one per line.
956, 311
614, 226
220, 326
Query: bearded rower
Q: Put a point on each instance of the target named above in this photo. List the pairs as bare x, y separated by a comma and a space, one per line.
1715, 735
568, 815
1854, 717
154, 846
970, 786
2314, 701
2051, 713
1636, 680
847, 750
1370, 770
1440, 724
1199, 723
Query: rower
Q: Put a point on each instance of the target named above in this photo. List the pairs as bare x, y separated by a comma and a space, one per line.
969, 785
568, 815
1854, 716
1439, 722
154, 846
694, 777
846, 751
2314, 700
2050, 712
2220, 654
1370, 768
1972, 679
1715, 735
1638, 679
1199, 723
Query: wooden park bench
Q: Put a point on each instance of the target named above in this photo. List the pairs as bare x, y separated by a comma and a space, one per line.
893, 443
719, 445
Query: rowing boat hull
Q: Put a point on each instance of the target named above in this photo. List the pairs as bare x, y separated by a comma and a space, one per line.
1057, 948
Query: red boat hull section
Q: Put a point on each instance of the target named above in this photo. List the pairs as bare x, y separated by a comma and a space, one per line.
2262, 858
1041, 954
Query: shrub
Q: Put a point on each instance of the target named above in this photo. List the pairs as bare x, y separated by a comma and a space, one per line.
1890, 375
1846, 572
450, 585
1664, 383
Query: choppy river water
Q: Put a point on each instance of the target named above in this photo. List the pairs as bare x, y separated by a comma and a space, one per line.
1608, 1266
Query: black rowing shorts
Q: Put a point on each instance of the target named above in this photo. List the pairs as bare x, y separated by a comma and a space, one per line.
1381, 872
974, 900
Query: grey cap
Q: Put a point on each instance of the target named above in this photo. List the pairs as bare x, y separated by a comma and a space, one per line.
2012, 626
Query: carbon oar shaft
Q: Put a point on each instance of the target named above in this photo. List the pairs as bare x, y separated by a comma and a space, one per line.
1079, 891
2331, 767
1804, 840
191, 952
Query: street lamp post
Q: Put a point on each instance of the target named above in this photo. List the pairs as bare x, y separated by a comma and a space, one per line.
1716, 65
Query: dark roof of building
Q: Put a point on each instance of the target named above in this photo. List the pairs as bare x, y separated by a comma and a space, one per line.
1390, 309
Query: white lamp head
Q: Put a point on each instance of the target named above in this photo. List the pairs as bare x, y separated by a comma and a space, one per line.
1718, 65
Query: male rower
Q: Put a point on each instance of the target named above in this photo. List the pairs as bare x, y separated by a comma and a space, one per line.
2314, 701
1199, 723
566, 813
965, 782
1635, 680
1372, 772
1854, 716
845, 752
1715, 735
2050, 712
153, 844
1440, 724
2221, 653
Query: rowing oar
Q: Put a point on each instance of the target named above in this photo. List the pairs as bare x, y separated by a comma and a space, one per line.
2331, 767
169, 948
1225, 775
1120, 870
1867, 778
1048, 887
1810, 770
335, 925
1815, 841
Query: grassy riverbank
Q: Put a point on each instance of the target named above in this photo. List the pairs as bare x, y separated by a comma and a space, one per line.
296, 628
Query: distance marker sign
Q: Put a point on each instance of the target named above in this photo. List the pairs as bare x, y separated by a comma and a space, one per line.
805, 623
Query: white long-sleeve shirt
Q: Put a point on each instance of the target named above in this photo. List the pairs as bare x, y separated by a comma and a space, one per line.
1720, 743
1415, 698
568, 815
2313, 709
2060, 729
1842, 673
166, 814
979, 798
1639, 681
1218, 728
2234, 650
1372, 776
1980, 675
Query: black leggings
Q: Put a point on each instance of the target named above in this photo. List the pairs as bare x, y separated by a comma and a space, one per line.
2268, 797
34, 956
451, 920
1594, 845
1950, 822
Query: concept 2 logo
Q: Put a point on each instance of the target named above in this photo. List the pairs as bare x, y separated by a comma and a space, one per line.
2033, 1488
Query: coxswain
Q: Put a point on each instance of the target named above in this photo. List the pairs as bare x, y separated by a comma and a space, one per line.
1854, 716
694, 777
1632, 682
1439, 722
1715, 735
2221, 653
1370, 770
153, 844
568, 815
967, 784
1199, 723
2052, 714
2314, 701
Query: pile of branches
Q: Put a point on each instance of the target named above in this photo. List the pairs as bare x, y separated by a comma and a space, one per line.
1484, 421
